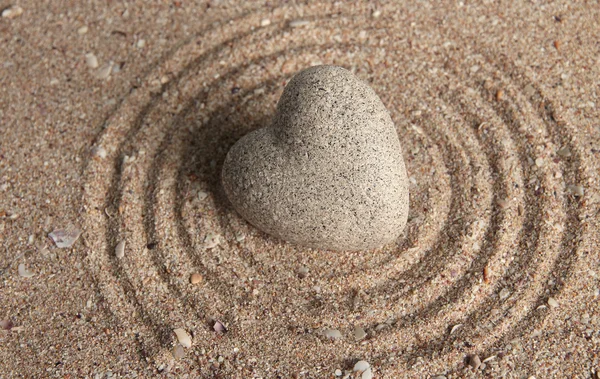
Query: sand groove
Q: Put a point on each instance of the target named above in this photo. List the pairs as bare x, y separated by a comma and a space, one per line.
479, 202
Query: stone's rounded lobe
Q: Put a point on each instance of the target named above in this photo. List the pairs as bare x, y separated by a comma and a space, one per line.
328, 173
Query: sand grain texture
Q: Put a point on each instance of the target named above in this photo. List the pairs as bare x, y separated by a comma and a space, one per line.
497, 110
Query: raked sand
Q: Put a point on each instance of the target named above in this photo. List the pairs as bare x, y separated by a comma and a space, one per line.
116, 119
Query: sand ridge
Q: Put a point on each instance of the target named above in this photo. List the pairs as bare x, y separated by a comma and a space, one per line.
498, 139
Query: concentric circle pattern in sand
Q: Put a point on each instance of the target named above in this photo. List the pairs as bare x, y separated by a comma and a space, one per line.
491, 233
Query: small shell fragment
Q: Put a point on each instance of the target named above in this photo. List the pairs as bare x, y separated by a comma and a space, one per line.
212, 240
13, 11
361, 366
490, 358
120, 249
24, 272
183, 337
486, 274
65, 238
104, 71
499, 95
195, 278
455, 328
552, 302
91, 60
298, 23
539, 162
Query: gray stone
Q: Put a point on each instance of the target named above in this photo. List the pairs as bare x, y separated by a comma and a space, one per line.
328, 173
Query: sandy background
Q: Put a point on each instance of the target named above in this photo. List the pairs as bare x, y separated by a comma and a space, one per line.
496, 106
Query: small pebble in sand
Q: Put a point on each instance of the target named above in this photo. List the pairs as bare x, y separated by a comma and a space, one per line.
195, 278
265, 22
24, 272
178, 352
202, 195
141, 43
120, 250
183, 337
12, 11
552, 302
99, 152
364, 368
539, 162
219, 327
361, 366
117, 68
303, 272
564, 152
6, 324
474, 361
529, 90
575, 190
367, 374
91, 60
83, 30
376, 13
332, 333
359, 333
504, 294
338, 373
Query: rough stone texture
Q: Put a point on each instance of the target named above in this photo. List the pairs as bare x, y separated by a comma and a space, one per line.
328, 173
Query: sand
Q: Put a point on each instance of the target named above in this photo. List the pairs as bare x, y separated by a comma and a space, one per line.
496, 107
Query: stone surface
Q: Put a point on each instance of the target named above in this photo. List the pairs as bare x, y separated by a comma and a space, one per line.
328, 173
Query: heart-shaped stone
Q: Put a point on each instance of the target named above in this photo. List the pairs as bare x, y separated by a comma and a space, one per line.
328, 173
